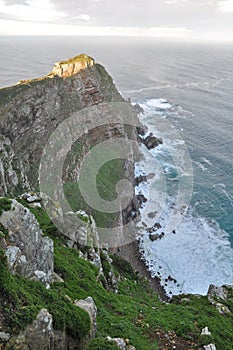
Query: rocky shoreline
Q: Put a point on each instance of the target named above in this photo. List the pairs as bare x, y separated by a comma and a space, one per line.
131, 253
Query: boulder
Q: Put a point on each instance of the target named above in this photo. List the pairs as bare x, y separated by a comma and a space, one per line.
4, 337
209, 347
89, 306
123, 344
205, 331
40, 335
152, 141
27, 251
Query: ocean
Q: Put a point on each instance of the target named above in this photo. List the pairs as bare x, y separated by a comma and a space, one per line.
187, 86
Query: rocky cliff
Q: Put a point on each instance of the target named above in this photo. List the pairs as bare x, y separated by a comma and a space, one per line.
31, 110
64, 290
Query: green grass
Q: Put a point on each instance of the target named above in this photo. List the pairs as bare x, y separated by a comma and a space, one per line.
102, 344
22, 299
79, 58
5, 204
135, 313
108, 176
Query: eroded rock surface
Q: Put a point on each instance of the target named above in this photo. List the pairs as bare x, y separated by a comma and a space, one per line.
217, 296
28, 252
89, 306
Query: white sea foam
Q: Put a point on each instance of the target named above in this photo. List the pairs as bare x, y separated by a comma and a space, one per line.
201, 166
197, 255
207, 161
198, 252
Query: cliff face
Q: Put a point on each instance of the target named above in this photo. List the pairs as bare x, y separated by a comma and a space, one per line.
71, 67
31, 110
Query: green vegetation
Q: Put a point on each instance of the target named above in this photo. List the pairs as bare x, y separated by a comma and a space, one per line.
135, 313
22, 299
79, 58
5, 204
102, 344
108, 176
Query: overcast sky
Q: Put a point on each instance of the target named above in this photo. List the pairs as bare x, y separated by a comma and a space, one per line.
189, 19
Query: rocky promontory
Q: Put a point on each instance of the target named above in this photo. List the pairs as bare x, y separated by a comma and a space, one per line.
65, 289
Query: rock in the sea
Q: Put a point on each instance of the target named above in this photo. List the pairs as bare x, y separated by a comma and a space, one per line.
152, 141
154, 236
89, 306
28, 253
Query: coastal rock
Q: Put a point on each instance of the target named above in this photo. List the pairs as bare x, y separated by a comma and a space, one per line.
151, 141
156, 236
27, 252
31, 111
216, 295
89, 306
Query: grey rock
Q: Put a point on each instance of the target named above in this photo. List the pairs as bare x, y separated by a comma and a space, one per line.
33, 198
209, 347
28, 253
205, 331
4, 337
37, 336
121, 343
89, 306
216, 295
40, 335
217, 292
151, 141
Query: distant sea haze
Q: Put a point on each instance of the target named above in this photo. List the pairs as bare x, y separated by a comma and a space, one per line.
196, 80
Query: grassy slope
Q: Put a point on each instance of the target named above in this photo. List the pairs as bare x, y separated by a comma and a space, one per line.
134, 313
107, 177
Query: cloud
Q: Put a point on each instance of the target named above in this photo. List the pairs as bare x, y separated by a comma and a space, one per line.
83, 17
226, 6
31, 10
9, 27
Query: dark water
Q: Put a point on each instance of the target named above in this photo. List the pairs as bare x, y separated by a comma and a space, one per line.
196, 78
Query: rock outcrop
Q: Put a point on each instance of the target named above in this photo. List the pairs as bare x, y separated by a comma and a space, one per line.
123, 344
89, 306
65, 69
31, 111
28, 252
151, 141
41, 335
218, 296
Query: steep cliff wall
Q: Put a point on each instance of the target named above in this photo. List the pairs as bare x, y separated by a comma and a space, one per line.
30, 111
